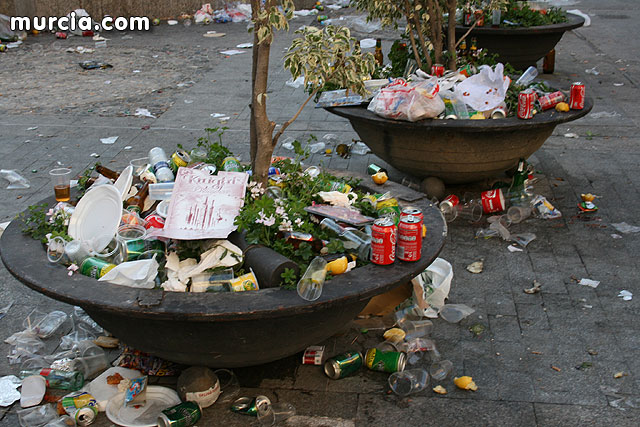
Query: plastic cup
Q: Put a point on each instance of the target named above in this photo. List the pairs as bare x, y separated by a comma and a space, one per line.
416, 328
56, 251
61, 180
114, 253
130, 232
87, 348
139, 165
310, 285
90, 365
518, 213
229, 386
409, 381
440, 369
37, 415
275, 413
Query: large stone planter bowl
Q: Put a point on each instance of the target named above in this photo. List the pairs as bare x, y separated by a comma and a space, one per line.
456, 151
216, 330
521, 47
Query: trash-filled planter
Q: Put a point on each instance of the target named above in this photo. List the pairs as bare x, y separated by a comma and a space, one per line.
456, 151
216, 329
520, 46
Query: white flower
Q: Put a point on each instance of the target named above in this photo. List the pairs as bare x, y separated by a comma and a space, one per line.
285, 225
280, 211
299, 222
269, 221
256, 189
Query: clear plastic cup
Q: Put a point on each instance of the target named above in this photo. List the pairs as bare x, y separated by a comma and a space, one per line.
416, 328
518, 214
409, 381
90, 366
310, 285
229, 386
275, 413
440, 369
139, 165
61, 180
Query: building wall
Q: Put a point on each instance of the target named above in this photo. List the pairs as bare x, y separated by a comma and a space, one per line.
97, 8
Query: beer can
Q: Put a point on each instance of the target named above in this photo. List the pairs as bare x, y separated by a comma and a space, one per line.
373, 169
410, 238
385, 361
183, 415
96, 268
388, 208
250, 406
383, 241
549, 101
340, 186
437, 70
136, 247
313, 355
231, 164
86, 415
343, 365
179, 159
526, 104
492, 201
577, 96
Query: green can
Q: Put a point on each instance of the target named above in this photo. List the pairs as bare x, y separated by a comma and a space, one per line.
250, 406
183, 415
385, 361
343, 365
96, 268
231, 164
137, 247
373, 169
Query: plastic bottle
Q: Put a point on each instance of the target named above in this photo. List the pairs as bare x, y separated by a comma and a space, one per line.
158, 158
57, 379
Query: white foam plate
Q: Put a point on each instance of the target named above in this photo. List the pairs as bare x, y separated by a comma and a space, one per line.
97, 216
102, 391
123, 183
158, 399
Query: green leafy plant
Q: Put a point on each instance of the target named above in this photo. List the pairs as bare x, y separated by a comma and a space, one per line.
38, 222
289, 278
216, 152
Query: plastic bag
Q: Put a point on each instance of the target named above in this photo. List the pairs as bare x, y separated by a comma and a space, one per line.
431, 287
6, 32
485, 90
204, 15
412, 101
15, 179
135, 274
453, 313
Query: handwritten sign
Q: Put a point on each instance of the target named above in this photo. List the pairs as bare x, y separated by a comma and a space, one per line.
204, 206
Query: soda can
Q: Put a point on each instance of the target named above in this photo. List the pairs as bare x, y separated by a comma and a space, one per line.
179, 159
154, 221
437, 70
231, 164
343, 365
410, 210
273, 171
373, 169
549, 101
385, 361
313, 355
499, 112
183, 415
466, 71
577, 96
86, 415
96, 268
3, 47
383, 241
526, 104
61, 35
322, 18
451, 200
340, 186
250, 406
492, 201
409, 238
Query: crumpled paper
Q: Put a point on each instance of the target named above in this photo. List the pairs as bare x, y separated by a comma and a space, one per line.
338, 198
135, 274
8, 390
485, 90
222, 254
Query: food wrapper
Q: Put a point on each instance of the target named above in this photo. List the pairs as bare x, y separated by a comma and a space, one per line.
136, 394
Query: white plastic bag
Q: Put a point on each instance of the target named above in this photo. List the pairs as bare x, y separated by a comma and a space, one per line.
135, 274
485, 90
431, 287
410, 101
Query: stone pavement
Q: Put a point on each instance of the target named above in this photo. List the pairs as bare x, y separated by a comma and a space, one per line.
563, 326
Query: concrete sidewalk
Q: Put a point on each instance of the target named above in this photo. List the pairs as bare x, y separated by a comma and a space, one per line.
563, 326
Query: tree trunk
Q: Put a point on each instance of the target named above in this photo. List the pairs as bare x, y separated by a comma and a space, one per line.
253, 136
451, 36
263, 126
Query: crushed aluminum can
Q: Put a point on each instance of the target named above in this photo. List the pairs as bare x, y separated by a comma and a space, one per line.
313, 355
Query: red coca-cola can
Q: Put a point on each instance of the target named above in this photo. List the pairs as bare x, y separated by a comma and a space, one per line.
61, 35
577, 96
313, 355
154, 221
526, 104
87, 33
411, 211
451, 200
437, 70
551, 100
383, 241
492, 201
410, 238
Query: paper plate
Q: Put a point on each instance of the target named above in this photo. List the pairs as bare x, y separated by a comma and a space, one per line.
97, 215
123, 183
163, 208
158, 399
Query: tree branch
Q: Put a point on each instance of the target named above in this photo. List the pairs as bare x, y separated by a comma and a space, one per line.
292, 119
412, 38
466, 34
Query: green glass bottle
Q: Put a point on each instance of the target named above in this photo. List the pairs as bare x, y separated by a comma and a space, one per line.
57, 379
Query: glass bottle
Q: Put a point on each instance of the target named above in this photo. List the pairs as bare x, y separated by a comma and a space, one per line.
378, 53
135, 203
107, 172
549, 63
